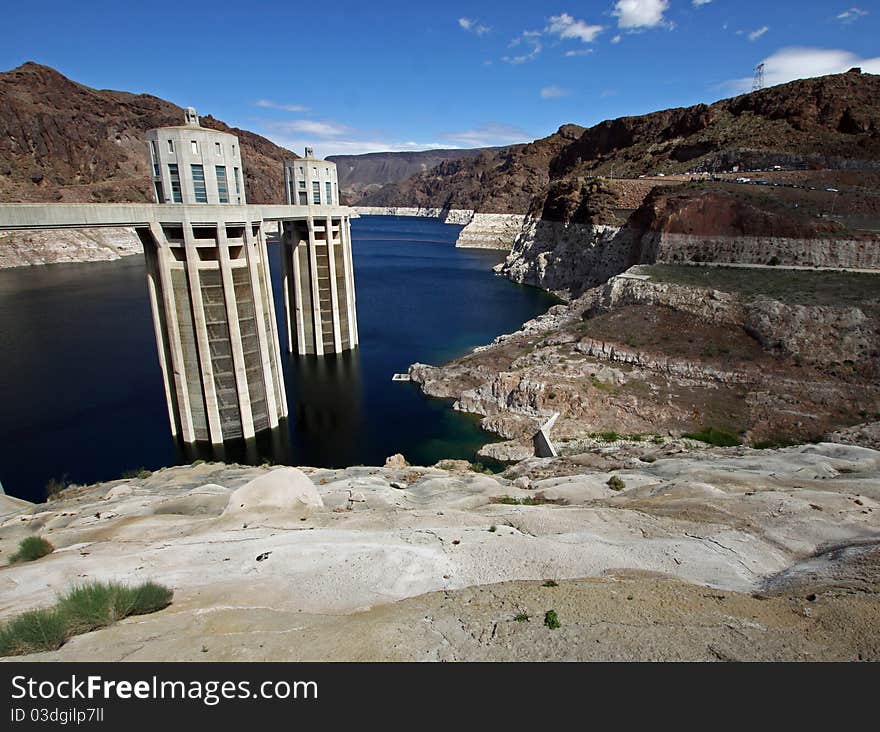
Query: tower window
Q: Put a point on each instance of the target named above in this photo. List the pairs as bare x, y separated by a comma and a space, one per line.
316, 192
218, 148
174, 174
199, 190
328, 190
160, 193
302, 184
222, 184
171, 146
195, 147
237, 182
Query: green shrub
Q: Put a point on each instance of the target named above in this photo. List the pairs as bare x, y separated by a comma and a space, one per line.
716, 437
31, 548
616, 483
96, 604
607, 436
522, 618
32, 632
551, 620
550, 583
82, 609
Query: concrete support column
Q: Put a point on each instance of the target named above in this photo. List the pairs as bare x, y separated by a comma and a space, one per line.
334, 296
238, 364
154, 289
179, 371
286, 273
315, 288
275, 345
199, 324
253, 253
298, 312
350, 300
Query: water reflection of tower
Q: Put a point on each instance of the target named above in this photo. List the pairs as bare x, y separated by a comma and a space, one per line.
327, 413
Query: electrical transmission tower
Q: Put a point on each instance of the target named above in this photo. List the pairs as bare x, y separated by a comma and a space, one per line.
758, 83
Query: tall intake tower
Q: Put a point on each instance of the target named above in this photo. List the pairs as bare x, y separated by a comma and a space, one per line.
209, 288
318, 274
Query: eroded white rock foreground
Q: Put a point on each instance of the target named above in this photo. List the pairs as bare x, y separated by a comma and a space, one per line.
258, 547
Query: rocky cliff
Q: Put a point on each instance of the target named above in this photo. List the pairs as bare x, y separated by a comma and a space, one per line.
359, 175
829, 121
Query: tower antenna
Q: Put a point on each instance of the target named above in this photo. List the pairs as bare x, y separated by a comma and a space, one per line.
758, 83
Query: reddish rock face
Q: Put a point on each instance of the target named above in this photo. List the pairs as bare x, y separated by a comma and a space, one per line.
60, 140
720, 213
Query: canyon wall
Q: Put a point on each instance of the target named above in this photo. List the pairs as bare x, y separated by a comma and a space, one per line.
568, 258
847, 253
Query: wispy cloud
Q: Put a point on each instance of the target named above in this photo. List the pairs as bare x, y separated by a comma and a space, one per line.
640, 14
566, 27
700, 3
793, 63
473, 26
269, 104
488, 135
310, 127
563, 27
852, 15
578, 52
554, 92
756, 34
532, 39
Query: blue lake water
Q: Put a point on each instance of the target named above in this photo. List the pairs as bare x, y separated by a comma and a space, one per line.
81, 394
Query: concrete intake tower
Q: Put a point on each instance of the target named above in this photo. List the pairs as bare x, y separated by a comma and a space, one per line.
210, 292
208, 276
318, 275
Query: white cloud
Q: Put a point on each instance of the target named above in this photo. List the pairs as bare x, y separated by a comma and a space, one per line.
617, 39
333, 138
310, 127
473, 26
578, 52
635, 14
530, 38
489, 135
793, 63
269, 104
567, 27
700, 3
852, 15
756, 34
554, 92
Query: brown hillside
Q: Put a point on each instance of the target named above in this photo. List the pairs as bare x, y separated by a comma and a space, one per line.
60, 140
827, 122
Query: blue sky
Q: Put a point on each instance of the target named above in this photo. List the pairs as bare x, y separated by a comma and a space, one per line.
352, 77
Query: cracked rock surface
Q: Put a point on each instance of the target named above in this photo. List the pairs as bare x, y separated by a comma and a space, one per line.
708, 555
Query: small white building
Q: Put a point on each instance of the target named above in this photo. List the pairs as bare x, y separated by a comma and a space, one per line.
192, 164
